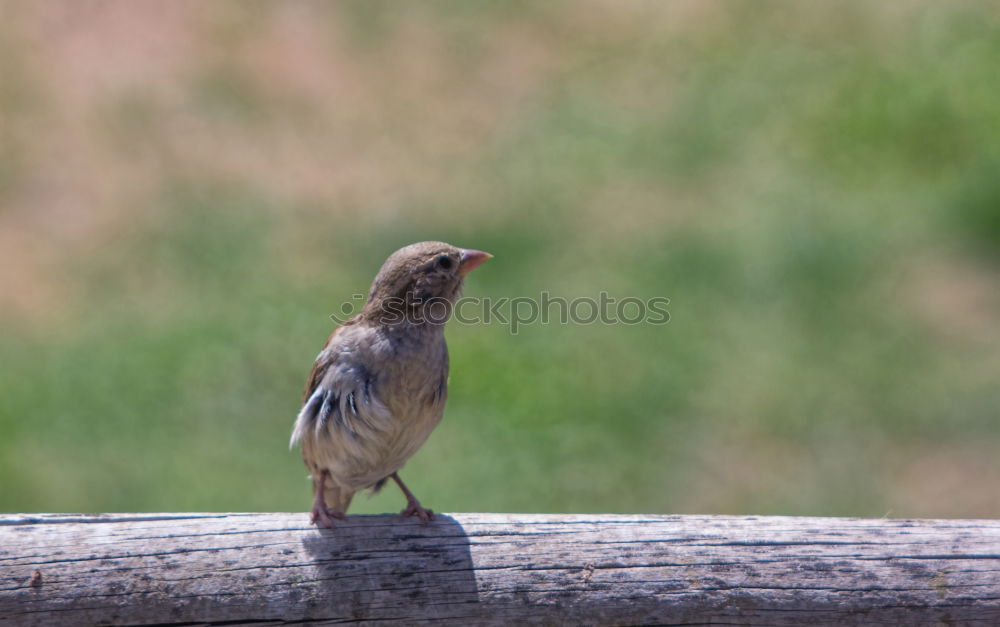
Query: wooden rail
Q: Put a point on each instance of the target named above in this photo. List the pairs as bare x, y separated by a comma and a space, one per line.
496, 569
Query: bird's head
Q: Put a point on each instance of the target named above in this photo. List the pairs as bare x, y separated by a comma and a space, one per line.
422, 278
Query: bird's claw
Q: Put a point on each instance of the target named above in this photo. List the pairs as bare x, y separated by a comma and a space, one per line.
413, 508
323, 516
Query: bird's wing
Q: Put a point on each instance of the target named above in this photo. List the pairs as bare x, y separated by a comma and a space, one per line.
339, 401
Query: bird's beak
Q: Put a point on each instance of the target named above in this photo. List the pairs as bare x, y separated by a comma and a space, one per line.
471, 260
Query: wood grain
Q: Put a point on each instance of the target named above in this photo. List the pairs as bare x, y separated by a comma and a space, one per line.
496, 569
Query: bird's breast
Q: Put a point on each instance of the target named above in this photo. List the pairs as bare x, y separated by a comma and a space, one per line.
412, 371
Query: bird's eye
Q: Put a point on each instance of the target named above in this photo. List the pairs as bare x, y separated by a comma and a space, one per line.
445, 262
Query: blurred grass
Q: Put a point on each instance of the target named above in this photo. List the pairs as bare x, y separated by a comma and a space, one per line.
812, 186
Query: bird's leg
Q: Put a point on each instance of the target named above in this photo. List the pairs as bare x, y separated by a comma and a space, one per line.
413, 507
322, 515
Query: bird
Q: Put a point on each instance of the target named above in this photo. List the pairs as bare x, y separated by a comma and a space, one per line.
379, 386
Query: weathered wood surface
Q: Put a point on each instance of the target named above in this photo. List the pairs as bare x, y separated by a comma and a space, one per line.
497, 569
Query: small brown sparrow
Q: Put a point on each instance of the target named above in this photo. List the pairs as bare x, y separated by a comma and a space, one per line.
378, 387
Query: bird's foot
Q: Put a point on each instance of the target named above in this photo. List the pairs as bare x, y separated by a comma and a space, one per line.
413, 508
322, 516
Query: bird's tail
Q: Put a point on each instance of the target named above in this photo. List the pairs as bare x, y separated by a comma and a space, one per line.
336, 498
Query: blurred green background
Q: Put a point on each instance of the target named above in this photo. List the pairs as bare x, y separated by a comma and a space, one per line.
188, 190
